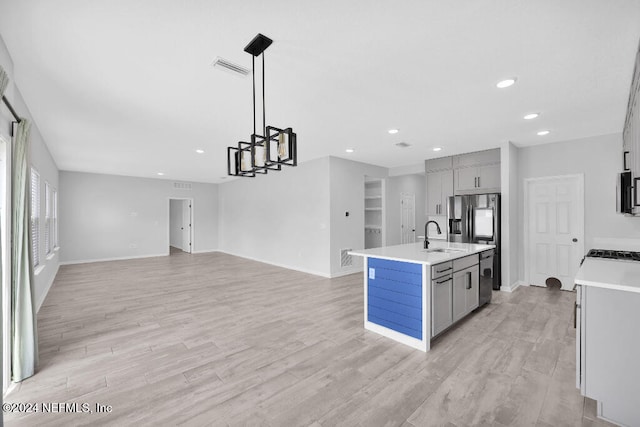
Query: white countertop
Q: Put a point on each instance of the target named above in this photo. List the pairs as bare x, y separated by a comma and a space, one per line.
610, 274
414, 252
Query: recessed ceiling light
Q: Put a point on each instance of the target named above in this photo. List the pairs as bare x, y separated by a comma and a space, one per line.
393, 131
349, 150
506, 83
543, 133
531, 116
160, 173
199, 151
437, 148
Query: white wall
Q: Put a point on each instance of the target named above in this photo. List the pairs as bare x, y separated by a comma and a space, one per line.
411, 184
175, 223
281, 218
599, 158
43, 162
347, 195
112, 217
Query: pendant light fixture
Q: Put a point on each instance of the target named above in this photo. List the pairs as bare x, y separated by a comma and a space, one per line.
271, 148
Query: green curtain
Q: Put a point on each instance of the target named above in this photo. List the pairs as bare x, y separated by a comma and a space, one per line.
24, 340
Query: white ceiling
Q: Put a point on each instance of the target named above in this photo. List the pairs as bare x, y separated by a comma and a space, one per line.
126, 87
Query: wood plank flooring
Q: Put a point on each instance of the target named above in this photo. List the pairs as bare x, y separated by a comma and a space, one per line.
212, 339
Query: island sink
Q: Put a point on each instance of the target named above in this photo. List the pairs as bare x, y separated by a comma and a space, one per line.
444, 250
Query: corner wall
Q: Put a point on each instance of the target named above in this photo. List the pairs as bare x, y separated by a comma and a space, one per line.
106, 217
281, 218
347, 195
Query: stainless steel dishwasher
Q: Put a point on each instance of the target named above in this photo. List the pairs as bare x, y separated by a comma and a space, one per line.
487, 276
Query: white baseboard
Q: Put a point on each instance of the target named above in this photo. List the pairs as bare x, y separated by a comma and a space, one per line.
347, 272
88, 261
205, 251
288, 267
47, 288
515, 285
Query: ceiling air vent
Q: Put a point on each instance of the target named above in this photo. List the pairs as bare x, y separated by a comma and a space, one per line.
182, 185
230, 67
403, 145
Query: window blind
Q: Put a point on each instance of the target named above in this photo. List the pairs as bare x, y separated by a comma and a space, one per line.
35, 217
47, 218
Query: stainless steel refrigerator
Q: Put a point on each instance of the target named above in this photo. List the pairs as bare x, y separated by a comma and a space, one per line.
476, 219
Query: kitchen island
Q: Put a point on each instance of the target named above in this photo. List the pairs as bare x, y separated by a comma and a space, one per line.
412, 294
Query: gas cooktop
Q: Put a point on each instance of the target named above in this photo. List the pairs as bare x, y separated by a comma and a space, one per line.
611, 254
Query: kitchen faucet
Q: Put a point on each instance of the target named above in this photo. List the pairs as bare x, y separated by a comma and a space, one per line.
426, 239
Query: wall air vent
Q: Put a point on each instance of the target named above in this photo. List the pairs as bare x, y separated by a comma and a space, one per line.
182, 185
230, 67
403, 145
346, 260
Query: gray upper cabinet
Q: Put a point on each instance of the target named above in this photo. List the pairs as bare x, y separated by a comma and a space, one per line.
631, 137
439, 164
477, 172
476, 158
439, 189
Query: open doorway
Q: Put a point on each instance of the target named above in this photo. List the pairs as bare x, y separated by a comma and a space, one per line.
5, 259
180, 226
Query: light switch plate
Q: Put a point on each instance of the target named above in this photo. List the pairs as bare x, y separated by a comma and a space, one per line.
372, 273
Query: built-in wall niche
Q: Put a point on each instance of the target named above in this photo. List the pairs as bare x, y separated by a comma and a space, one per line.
374, 213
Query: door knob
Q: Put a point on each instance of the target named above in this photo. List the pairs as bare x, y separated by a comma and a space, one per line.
574, 240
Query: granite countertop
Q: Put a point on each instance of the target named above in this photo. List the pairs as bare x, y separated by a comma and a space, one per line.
414, 252
610, 274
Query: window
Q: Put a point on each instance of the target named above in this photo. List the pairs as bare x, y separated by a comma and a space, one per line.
54, 217
35, 217
47, 218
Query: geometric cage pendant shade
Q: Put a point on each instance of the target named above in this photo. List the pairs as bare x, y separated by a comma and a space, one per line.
271, 150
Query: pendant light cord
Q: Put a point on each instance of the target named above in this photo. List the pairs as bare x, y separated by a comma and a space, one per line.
264, 110
253, 72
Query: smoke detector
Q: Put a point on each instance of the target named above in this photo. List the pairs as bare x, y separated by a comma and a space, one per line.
403, 145
230, 67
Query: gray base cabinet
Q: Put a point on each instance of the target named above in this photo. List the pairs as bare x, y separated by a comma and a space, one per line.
465, 291
608, 352
442, 313
455, 291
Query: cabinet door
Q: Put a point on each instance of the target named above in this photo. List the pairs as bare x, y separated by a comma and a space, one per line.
434, 193
441, 305
447, 190
466, 179
489, 177
473, 288
459, 295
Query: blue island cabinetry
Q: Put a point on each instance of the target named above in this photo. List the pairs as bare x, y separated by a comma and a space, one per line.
396, 301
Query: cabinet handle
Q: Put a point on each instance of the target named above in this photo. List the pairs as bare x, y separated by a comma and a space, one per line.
443, 281
468, 280
636, 184
446, 269
624, 161
478, 182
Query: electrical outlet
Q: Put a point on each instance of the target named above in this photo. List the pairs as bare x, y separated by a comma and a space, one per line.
372, 273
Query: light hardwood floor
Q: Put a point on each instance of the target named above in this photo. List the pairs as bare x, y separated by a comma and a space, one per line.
212, 339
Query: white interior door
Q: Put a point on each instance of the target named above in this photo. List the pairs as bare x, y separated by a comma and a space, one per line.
186, 226
407, 218
554, 238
